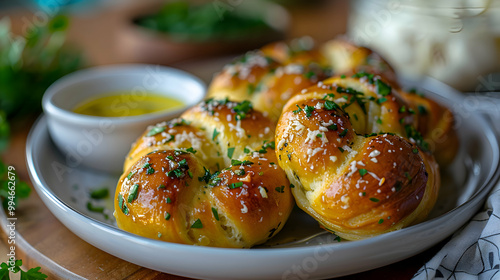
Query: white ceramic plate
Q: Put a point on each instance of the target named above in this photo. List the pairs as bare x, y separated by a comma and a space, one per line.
466, 183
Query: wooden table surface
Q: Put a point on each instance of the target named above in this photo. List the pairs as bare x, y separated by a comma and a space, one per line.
44, 241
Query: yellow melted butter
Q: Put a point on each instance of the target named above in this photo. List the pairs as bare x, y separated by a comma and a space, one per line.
124, 104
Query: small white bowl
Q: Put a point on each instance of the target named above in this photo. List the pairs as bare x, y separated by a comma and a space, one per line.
103, 142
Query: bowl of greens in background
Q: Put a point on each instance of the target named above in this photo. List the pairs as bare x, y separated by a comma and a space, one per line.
168, 32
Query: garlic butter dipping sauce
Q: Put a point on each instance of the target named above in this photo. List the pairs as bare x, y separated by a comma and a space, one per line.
124, 104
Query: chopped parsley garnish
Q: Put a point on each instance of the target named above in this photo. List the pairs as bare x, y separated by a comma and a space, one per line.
369, 76
131, 174
380, 221
414, 91
238, 162
398, 186
280, 189
267, 145
242, 109
161, 186
412, 133
402, 109
343, 133
332, 127
99, 193
169, 200
340, 149
308, 110
167, 216
407, 175
298, 110
246, 150
197, 224
319, 135
356, 96
93, 208
250, 89
309, 74
179, 152
239, 172
382, 88
206, 177
415, 151
216, 213
330, 105
155, 130
292, 186
362, 172
342, 76
177, 173
235, 185
133, 193
214, 179
381, 100
150, 170
355, 116
230, 152
179, 122
215, 134
379, 121
120, 201
122, 204
422, 110
190, 174
183, 163
374, 199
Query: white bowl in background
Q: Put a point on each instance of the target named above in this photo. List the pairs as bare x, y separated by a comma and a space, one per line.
103, 142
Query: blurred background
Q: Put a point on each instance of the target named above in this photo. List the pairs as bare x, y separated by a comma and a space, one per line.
457, 42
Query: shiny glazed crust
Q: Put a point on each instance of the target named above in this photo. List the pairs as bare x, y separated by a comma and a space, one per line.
344, 144
434, 121
269, 77
209, 178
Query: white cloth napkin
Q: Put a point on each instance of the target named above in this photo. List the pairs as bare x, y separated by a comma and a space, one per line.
473, 252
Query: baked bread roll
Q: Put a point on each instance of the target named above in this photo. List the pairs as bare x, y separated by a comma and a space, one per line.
355, 160
269, 77
209, 178
433, 121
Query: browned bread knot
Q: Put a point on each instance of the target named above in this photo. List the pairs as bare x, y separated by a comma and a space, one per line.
269, 77
357, 163
209, 178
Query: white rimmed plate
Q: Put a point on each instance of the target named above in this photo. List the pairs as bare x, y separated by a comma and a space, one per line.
466, 183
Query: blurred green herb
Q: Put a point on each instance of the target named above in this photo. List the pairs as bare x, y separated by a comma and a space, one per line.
31, 274
29, 64
186, 22
23, 190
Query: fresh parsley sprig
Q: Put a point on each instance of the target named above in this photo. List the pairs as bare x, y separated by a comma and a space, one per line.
31, 274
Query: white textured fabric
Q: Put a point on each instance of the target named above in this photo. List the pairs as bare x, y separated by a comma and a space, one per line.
473, 252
